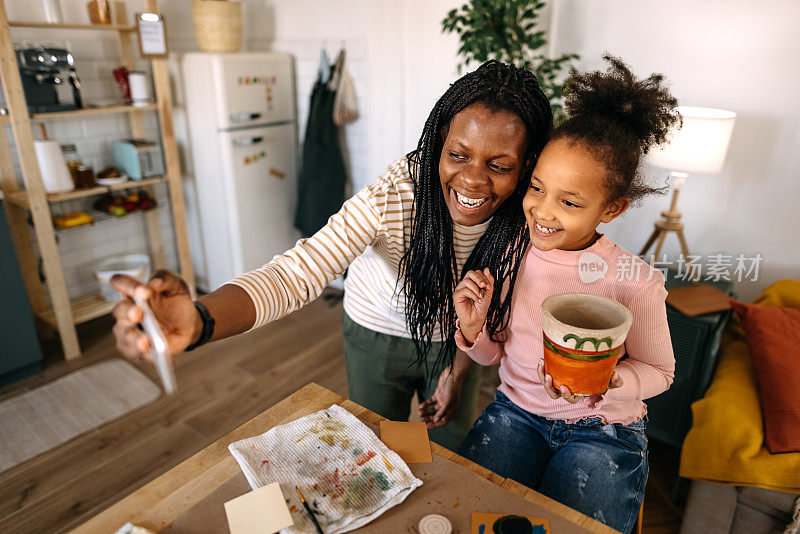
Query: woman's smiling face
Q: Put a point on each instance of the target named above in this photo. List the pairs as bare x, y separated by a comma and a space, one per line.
481, 161
567, 198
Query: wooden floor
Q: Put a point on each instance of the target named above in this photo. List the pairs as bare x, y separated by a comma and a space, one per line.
220, 386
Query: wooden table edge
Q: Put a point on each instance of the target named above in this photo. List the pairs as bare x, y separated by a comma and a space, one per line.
176, 485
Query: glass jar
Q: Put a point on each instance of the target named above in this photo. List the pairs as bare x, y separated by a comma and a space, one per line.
72, 159
84, 177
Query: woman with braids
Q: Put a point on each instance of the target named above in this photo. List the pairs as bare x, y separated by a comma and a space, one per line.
589, 453
451, 205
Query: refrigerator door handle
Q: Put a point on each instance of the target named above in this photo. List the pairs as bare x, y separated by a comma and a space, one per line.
244, 117
247, 141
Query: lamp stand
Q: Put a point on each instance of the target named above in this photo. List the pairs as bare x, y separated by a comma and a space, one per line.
670, 222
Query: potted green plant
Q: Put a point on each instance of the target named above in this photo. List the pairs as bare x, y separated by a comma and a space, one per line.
506, 30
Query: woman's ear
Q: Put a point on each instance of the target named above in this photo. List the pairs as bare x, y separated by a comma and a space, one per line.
444, 131
615, 209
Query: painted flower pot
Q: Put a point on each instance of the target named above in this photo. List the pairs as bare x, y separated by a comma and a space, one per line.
583, 337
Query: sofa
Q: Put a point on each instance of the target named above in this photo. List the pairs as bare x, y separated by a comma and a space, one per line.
737, 485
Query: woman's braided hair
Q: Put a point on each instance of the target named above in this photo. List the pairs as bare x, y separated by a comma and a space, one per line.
428, 266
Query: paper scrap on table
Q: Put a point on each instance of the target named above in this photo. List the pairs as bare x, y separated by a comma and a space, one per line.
407, 439
482, 523
261, 511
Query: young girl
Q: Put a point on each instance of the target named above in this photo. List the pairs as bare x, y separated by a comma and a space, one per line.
589, 453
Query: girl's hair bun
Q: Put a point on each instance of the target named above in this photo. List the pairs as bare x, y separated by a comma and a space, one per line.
618, 118
644, 108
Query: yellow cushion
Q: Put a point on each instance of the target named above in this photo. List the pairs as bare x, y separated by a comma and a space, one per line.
726, 442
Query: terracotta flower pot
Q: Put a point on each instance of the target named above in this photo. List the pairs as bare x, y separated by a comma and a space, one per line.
583, 337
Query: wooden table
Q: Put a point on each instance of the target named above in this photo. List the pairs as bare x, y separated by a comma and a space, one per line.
212, 476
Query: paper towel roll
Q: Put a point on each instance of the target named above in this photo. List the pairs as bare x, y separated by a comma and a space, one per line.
140, 93
55, 174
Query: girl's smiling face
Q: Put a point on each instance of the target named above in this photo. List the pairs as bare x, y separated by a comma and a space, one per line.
567, 198
481, 162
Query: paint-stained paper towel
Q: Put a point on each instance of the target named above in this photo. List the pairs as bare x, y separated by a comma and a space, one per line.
347, 475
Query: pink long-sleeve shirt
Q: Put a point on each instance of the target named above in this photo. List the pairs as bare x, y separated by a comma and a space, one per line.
647, 365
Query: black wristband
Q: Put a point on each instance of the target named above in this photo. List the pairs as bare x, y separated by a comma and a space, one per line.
208, 327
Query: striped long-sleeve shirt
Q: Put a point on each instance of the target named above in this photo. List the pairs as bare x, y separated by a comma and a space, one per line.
369, 235
647, 366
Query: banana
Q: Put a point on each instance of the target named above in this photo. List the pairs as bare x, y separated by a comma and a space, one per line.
70, 220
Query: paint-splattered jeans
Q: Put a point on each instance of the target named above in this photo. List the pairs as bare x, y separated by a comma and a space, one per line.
599, 470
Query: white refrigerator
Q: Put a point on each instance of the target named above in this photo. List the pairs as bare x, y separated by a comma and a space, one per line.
242, 125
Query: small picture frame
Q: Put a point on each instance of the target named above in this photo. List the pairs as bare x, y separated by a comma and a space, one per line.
152, 35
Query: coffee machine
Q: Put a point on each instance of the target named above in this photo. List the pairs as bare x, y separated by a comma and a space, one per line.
41, 71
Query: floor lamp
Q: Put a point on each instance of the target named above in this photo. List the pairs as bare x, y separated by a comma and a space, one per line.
698, 147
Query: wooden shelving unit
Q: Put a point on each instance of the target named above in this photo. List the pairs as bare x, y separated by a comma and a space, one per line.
99, 27
62, 313
20, 198
99, 110
84, 309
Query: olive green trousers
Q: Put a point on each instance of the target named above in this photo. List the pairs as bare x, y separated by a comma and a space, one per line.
382, 376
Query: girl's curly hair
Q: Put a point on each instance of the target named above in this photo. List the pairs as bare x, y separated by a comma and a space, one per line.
618, 118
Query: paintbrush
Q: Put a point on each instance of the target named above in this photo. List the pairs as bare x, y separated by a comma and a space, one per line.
309, 510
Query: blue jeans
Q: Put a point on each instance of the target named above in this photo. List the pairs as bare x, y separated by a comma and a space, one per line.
599, 470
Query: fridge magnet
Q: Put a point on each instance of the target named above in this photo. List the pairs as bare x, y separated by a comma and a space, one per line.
276, 173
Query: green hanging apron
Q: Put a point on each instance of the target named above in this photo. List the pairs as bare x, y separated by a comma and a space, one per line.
322, 172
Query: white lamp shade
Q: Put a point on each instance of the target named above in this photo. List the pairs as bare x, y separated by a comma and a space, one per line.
700, 146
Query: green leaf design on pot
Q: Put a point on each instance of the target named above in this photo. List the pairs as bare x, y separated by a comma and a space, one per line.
583, 357
579, 341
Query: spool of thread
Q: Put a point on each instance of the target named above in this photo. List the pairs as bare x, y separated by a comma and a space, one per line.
140, 92
435, 524
53, 168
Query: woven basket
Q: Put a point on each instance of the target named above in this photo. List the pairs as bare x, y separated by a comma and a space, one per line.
217, 25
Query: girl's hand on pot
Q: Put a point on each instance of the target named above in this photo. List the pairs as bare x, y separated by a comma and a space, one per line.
564, 392
169, 298
471, 299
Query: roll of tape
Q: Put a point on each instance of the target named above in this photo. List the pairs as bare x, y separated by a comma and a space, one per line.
435, 524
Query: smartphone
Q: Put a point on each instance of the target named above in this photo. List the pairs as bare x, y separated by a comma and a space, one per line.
159, 349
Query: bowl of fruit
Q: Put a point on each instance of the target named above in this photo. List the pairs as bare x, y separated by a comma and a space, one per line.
111, 176
120, 205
